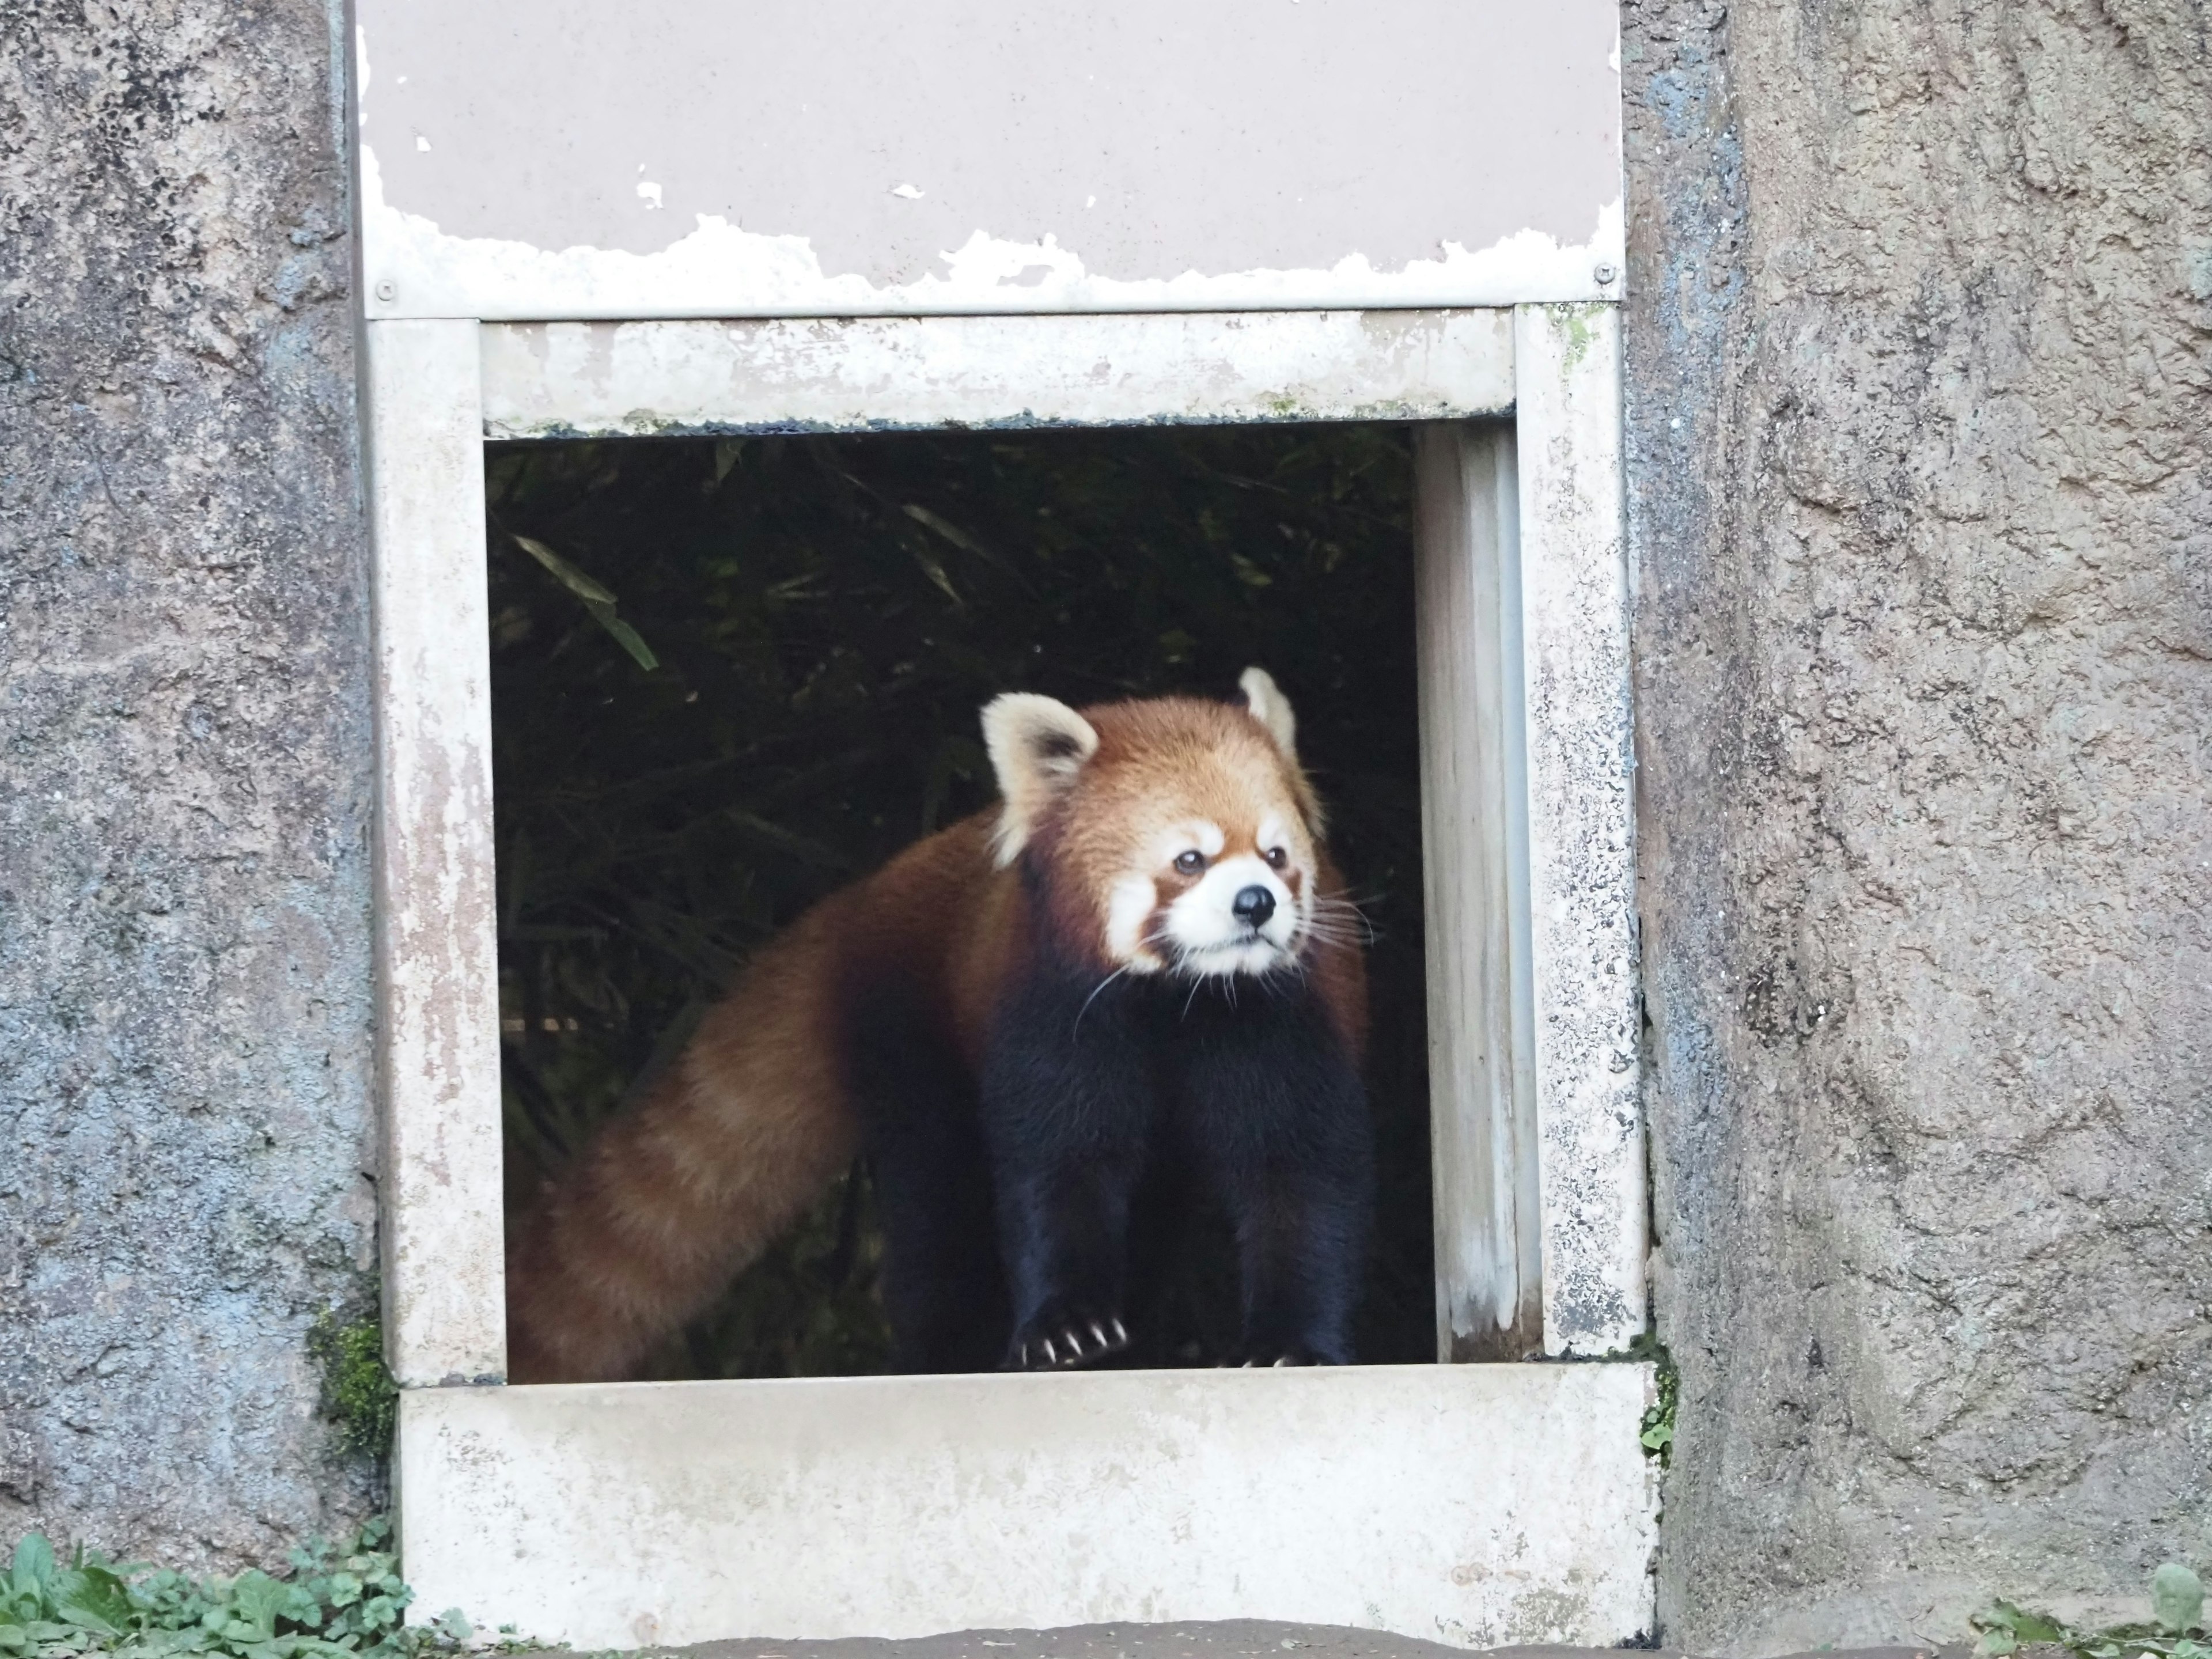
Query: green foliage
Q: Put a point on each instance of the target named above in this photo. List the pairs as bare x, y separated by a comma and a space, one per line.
2177, 1596
336, 1600
828, 614
1655, 1431
598, 603
358, 1393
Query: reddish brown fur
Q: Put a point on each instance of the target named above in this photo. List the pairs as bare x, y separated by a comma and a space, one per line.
753, 1121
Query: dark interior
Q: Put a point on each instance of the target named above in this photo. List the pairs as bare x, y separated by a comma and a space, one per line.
823, 616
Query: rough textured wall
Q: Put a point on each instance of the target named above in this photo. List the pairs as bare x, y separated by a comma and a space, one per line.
184, 774
1922, 466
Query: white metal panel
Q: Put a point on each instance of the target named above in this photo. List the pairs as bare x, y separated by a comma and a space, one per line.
574, 379
1475, 1505
564, 158
436, 951
1581, 808
1475, 865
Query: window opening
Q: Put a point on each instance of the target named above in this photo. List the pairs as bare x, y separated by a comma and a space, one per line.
730, 675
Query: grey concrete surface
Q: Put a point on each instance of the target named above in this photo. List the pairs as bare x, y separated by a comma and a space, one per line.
1234, 1639
184, 763
1921, 477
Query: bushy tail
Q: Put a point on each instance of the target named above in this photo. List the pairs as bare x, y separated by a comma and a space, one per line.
676, 1196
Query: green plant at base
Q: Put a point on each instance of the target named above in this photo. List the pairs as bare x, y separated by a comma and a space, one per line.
2177, 1598
1655, 1432
339, 1601
358, 1393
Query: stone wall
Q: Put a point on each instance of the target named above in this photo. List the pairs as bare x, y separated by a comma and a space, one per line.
185, 767
1920, 366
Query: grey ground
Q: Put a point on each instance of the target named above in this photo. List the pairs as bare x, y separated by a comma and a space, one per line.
1238, 1638
1920, 382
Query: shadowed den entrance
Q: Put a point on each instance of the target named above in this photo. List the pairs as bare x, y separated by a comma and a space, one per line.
730, 675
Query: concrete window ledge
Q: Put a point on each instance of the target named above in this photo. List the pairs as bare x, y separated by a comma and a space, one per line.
1470, 1504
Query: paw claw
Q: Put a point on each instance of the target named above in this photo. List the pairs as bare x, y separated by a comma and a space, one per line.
1076, 1338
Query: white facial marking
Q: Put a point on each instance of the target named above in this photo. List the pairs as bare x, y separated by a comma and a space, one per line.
1128, 908
1211, 938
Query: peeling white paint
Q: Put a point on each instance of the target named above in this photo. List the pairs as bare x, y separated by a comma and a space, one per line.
1471, 1505
722, 270
1237, 157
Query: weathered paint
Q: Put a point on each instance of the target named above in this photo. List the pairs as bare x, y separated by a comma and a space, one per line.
1475, 865
1476, 1504
1582, 947
978, 155
1472, 1504
437, 966
578, 378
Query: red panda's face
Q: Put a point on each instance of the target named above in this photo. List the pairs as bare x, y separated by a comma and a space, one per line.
1176, 837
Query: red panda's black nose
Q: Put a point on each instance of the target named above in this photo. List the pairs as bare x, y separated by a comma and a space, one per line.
1252, 905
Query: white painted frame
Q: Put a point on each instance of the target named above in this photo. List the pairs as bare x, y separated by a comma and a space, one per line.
1471, 1504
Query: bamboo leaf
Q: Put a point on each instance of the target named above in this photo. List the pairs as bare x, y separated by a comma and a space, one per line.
959, 537
935, 572
569, 577
945, 527
625, 635
597, 599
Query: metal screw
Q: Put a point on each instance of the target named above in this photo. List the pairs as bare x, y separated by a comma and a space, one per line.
1604, 275
387, 290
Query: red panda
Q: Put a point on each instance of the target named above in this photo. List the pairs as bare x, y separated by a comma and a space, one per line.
1132, 976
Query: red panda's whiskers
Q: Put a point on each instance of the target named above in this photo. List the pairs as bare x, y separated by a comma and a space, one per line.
1076, 1030
1334, 919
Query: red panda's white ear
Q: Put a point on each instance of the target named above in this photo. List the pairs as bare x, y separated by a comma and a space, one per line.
1268, 706
1037, 746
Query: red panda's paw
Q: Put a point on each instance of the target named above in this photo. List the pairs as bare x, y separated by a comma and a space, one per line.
1063, 1339
1290, 1355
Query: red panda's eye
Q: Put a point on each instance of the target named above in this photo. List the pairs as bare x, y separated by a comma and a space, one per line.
1189, 864
1278, 857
